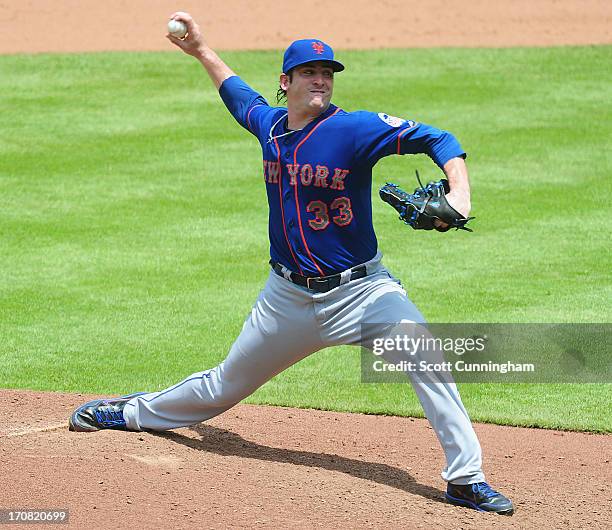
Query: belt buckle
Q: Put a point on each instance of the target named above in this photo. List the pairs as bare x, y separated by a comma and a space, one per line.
317, 280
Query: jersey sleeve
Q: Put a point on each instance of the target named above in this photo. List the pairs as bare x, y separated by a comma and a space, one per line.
247, 106
380, 135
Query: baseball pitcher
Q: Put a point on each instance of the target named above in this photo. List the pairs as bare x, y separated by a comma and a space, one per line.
326, 274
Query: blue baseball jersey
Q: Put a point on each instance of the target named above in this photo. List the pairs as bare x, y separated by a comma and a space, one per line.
319, 179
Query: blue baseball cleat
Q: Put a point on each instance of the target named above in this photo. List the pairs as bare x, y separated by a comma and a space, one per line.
101, 414
479, 496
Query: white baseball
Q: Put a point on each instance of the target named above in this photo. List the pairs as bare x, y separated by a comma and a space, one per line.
177, 28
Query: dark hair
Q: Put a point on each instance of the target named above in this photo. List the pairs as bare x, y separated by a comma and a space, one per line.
280, 93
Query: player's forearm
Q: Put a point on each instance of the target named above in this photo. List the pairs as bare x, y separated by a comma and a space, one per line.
217, 70
194, 44
457, 174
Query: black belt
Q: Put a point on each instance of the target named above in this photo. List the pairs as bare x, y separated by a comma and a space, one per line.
319, 284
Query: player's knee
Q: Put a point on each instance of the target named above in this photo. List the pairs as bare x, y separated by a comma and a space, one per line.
227, 395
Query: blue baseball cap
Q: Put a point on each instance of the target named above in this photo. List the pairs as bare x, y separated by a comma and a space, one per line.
309, 50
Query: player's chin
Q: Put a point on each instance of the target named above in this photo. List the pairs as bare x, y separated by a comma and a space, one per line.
319, 102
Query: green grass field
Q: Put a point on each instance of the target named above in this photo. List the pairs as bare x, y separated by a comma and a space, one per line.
133, 222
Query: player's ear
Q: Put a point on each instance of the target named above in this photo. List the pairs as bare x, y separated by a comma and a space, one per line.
284, 81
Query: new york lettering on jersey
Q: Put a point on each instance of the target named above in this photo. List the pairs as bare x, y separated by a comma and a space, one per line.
318, 180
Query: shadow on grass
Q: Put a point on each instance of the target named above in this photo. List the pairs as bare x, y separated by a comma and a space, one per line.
227, 443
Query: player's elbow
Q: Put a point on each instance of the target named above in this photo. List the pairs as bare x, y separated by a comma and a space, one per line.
444, 148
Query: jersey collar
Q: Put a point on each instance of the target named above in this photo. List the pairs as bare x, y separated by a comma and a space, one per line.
279, 127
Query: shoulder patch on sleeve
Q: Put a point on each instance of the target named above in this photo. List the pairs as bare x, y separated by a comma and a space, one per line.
391, 120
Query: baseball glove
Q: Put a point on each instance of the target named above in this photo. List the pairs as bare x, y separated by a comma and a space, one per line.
421, 208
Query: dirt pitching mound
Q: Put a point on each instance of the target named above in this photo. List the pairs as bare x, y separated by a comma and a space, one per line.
288, 468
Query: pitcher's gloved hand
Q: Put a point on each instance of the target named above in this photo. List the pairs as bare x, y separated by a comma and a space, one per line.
426, 208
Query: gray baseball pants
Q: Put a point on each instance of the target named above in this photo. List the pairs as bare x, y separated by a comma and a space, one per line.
286, 324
